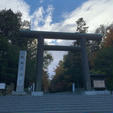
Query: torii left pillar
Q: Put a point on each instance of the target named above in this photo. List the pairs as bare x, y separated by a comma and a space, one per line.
39, 73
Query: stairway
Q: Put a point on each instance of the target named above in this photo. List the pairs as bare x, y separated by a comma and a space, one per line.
57, 103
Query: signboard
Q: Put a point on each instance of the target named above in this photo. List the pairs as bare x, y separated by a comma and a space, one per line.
2, 85
21, 71
99, 83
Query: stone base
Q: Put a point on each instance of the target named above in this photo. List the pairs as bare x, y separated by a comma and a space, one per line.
18, 93
96, 92
38, 93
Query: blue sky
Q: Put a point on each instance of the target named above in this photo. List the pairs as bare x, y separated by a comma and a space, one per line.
60, 6
60, 15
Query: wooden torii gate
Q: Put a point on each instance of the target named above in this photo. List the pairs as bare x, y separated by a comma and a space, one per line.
41, 35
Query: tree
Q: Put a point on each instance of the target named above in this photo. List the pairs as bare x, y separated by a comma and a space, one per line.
58, 82
108, 40
8, 61
9, 27
71, 70
102, 62
11, 44
10, 23
108, 44
81, 26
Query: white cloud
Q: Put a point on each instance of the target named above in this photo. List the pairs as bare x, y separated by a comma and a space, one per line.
41, 20
37, 18
95, 12
16, 5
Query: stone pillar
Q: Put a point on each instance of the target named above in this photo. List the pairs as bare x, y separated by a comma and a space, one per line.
21, 73
40, 50
85, 66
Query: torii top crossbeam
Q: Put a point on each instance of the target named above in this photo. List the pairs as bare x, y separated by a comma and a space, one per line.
59, 35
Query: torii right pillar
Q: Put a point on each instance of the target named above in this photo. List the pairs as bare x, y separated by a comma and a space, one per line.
85, 66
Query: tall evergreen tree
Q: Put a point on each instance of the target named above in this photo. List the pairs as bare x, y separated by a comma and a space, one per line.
11, 44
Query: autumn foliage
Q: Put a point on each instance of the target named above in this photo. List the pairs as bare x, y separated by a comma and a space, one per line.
108, 41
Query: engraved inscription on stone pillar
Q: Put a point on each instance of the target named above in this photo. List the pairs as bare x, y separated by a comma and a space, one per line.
21, 72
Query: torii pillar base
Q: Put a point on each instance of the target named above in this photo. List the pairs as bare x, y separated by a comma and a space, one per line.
37, 93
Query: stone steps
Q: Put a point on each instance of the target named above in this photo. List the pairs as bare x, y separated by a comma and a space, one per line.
57, 103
